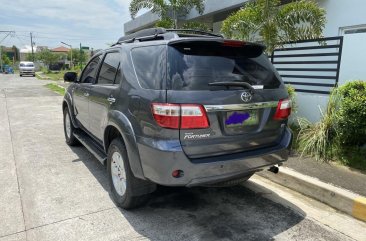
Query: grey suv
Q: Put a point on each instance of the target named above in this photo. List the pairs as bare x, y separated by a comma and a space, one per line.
178, 108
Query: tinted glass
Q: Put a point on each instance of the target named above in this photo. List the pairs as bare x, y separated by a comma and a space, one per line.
150, 66
109, 68
192, 66
90, 70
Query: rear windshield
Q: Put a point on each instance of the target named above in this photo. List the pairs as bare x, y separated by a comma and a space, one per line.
26, 65
192, 66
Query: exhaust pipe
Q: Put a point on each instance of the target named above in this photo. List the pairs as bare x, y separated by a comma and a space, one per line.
274, 169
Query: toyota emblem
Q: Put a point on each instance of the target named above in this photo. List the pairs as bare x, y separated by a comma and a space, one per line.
246, 96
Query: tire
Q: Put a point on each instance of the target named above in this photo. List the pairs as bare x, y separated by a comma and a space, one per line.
69, 129
20, 75
122, 190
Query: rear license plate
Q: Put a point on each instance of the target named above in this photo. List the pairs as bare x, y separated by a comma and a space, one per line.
241, 118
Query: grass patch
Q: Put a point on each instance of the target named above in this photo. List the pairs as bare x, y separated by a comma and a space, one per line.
56, 88
56, 75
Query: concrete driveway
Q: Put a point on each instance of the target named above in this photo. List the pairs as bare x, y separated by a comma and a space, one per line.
49, 191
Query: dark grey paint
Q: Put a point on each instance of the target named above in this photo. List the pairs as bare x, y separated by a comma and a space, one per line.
154, 152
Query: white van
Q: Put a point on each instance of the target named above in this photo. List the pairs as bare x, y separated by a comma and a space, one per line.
26, 68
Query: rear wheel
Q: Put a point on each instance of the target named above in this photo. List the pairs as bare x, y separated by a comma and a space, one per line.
121, 177
69, 129
20, 75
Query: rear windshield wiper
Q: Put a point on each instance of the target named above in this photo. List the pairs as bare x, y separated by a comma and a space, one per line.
229, 84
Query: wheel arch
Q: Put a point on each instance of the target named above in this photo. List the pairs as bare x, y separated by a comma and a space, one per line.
67, 103
119, 126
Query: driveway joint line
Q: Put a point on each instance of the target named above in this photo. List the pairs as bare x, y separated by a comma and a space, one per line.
66, 219
15, 163
328, 226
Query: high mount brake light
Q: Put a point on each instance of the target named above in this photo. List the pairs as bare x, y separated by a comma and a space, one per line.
180, 116
233, 43
283, 109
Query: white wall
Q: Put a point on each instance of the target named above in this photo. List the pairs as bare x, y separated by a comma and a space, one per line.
342, 13
353, 65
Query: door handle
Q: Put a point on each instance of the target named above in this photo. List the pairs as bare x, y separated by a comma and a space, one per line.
111, 100
86, 94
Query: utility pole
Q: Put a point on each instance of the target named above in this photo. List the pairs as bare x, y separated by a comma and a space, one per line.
71, 62
80, 58
31, 37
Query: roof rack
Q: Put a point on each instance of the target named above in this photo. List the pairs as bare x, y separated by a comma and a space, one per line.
160, 33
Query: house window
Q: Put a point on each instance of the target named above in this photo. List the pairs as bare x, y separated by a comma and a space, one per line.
353, 29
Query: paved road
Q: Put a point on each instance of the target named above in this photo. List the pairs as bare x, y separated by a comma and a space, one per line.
49, 191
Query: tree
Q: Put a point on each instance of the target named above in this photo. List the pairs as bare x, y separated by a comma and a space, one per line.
167, 9
77, 56
47, 57
196, 26
165, 23
5, 59
267, 21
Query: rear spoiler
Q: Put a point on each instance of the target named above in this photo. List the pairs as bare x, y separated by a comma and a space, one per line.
255, 49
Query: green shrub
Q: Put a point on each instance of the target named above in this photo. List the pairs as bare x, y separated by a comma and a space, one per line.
316, 140
341, 133
351, 114
292, 95
350, 156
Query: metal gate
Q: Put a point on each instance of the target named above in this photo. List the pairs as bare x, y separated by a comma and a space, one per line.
310, 66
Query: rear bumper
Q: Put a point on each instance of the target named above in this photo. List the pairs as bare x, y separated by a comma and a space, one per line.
27, 72
159, 160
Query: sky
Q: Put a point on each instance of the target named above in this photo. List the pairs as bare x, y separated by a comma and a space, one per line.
95, 23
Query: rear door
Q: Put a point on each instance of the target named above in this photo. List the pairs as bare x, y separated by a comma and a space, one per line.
240, 119
103, 93
81, 91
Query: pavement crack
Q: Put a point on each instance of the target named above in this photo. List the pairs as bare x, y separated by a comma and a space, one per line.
15, 162
10, 234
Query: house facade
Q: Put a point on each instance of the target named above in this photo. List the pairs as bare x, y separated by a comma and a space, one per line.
344, 18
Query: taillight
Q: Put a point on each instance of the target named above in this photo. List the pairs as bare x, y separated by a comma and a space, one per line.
167, 115
283, 110
183, 116
193, 117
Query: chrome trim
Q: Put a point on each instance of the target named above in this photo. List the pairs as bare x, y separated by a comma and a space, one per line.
250, 106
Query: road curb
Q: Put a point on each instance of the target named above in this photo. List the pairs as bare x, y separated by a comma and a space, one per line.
339, 198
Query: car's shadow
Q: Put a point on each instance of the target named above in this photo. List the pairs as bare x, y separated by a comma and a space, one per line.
233, 213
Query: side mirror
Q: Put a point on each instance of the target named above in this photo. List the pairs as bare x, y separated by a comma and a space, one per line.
70, 77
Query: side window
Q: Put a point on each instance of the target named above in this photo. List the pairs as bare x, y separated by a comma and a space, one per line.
149, 63
108, 71
91, 70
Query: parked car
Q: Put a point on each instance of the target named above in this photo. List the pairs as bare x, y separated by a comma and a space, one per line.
7, 69
26, 68
178, 109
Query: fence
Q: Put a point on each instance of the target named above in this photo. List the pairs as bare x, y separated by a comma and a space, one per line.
311, 66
